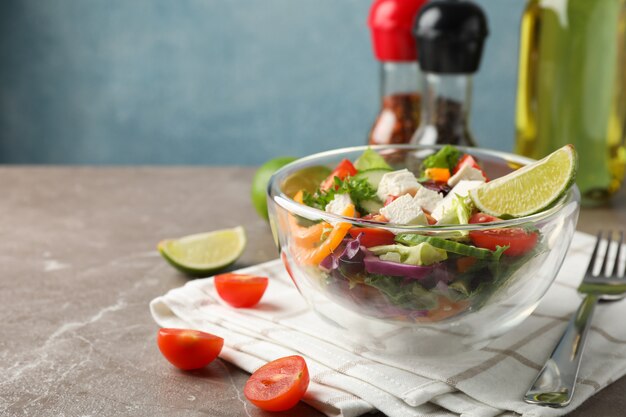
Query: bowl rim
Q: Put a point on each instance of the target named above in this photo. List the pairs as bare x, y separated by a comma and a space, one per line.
275, 194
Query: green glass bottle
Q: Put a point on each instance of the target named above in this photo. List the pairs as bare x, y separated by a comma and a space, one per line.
572, 88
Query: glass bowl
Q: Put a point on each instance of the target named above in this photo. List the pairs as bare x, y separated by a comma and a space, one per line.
450, 308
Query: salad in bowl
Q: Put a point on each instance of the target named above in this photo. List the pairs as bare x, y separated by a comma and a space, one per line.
425, 243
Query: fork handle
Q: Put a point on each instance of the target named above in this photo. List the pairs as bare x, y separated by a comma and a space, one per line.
554, 385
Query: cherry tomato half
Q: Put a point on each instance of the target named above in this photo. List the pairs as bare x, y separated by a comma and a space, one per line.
278, 385
343, 170
371, 236
483, 218
431, 220
189, 349
390, 199
519, 240
240, 290
376, 218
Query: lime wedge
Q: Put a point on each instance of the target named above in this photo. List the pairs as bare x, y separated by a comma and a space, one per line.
204, 253
261, 179
531, 188
307, 179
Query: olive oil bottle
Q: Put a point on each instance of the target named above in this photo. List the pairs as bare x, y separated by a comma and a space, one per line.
572, 88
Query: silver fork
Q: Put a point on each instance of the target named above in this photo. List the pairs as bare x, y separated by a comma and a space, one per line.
554, 385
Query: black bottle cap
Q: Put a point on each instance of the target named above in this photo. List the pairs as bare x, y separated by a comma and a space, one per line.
450, 36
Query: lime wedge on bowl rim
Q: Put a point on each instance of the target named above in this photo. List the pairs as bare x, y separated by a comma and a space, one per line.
204, 253
531, 188
307, 179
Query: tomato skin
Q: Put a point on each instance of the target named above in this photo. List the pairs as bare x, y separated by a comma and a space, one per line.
390, 199
283, 256
344, 169
376, 217
278, 385
371, 236
240, 290
467, 159
188, 349
483, 218
465, 263
518, 240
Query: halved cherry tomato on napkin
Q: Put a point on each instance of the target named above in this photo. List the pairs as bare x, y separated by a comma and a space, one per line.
240, 290
343, 170
189, 349
371, 236
278, 385
517, 239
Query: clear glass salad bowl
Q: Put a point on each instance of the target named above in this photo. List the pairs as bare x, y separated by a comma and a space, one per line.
442, 309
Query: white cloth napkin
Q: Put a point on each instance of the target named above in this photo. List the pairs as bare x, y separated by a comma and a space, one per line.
348, 382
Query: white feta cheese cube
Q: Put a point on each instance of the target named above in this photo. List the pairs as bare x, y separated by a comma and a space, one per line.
461, 189
467, 173
338, 204
427, 199
404, 210
397, 183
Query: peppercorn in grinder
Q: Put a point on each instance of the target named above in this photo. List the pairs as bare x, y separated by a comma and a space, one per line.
391, 25
450, 35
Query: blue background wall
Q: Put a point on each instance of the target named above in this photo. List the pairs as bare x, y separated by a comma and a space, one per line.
208, 82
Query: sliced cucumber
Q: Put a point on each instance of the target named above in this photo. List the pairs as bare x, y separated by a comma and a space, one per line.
450, 246
373, 176
372, 206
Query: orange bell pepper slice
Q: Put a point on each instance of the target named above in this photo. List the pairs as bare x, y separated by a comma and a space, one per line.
438, 174
306, 239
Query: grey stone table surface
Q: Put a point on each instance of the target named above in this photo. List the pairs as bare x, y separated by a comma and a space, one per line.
79, 266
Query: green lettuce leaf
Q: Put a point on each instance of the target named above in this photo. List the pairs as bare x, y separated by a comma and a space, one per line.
459, 212
371, 160
446, 157
423, 254
405, 294
359, 189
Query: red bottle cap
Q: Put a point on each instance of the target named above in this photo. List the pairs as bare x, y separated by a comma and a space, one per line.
391, 23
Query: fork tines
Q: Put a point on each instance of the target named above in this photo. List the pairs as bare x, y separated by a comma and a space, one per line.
607, 269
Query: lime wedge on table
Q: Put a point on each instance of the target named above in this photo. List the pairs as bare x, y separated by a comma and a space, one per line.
204, 253
531, 188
